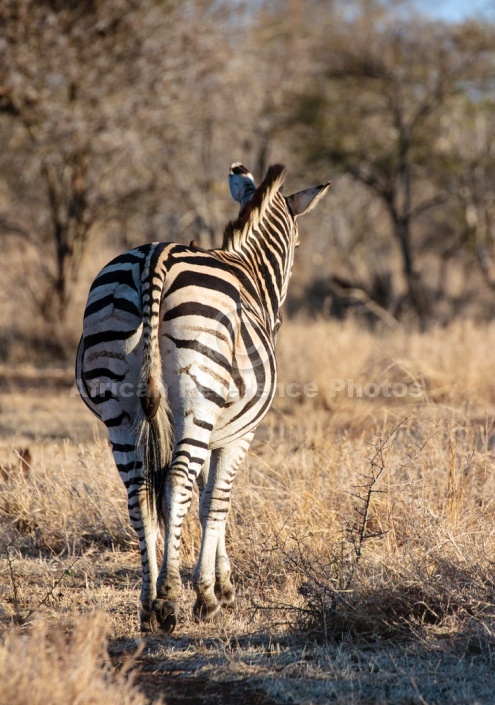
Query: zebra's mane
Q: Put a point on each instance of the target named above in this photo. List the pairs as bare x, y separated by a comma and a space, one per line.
238, 230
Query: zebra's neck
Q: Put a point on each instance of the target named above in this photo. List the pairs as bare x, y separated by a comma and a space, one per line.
263, 238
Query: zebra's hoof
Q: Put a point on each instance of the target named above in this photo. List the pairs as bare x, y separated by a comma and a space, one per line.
206, 613
226, 598
166, 614
228, 603
149, 624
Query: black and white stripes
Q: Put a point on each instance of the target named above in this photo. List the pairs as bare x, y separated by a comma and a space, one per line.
177, 359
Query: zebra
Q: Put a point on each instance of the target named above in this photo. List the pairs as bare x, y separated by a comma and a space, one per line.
177, 358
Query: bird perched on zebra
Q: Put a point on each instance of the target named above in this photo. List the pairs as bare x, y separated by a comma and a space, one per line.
241, 183
177, 358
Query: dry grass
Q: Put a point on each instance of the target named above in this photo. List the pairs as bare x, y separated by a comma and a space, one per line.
61, 666
362, 530
88, 507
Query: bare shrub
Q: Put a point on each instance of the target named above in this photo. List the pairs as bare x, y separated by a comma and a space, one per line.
407, 555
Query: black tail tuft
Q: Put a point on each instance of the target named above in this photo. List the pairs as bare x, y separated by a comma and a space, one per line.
156, 462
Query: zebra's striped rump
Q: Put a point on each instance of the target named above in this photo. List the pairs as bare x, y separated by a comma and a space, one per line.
177, 359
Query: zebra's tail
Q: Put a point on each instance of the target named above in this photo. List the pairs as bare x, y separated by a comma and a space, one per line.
155, 420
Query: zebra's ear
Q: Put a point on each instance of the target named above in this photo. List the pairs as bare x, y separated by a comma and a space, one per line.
303, 201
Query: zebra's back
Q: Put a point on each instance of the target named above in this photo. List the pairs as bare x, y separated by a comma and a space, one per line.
216, 355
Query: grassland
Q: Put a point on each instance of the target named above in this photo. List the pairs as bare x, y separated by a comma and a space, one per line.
362, 535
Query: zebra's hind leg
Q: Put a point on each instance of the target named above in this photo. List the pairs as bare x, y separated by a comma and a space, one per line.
211, 577
188, 460
224, 587
143, 518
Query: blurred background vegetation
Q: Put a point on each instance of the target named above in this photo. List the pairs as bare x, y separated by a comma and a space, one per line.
119, 120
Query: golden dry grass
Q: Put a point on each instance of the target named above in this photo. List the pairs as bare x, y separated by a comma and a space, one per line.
326, 600
60, 666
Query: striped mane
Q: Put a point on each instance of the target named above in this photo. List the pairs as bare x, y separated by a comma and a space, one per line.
237, 231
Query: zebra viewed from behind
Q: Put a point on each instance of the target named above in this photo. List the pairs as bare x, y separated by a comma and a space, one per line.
177, 359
